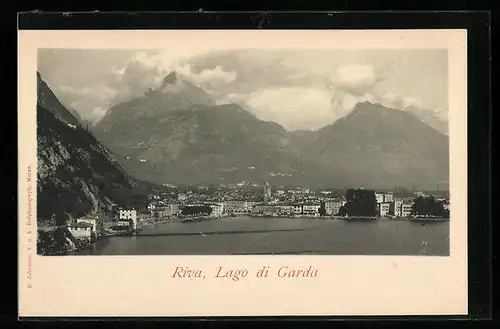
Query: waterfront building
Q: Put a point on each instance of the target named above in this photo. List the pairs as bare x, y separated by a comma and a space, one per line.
129, 223
332, 206
285, 209
311, 209
396, 208
384, 197
265, 209
406, 208
81, 230
129, 214
217, 209
235, 206
297, 209
383, 208
96, 226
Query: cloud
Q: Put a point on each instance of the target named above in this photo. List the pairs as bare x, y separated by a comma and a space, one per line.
300, 107
241, 99
391, 100
207, 78
147, 70
99, 91
354, 78
98, 113
412, 101
85, 99
441, 114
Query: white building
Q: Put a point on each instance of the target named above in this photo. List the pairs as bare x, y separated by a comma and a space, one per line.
217, 209
81, 230
332, 206
129, 214
181, 197
311, 209
384, 197
406, 208
383, 208
93, 221
397, 208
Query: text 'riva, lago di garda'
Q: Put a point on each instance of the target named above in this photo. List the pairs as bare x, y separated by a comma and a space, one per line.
237, 274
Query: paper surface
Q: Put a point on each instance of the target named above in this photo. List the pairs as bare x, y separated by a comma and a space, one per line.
144, 285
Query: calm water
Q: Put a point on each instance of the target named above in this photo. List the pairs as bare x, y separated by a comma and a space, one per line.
250, 235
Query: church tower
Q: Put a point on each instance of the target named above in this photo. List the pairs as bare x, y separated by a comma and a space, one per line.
267, 192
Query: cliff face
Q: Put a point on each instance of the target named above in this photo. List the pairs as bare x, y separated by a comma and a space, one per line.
77, 176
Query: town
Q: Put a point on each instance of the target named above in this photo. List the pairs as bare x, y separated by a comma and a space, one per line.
172, 203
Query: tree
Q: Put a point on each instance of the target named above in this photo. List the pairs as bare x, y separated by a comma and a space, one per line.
342, 211
361, 202
322, 209
429, 206
197, 210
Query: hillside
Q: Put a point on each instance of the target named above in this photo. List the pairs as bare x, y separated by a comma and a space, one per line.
77, 176
207, 145
380, 147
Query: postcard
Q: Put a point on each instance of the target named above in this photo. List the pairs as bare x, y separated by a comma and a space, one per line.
242, 172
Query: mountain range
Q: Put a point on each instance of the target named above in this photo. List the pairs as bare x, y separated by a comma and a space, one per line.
177, 134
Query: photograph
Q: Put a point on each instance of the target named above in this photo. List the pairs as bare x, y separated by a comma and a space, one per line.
176, 150
202, 173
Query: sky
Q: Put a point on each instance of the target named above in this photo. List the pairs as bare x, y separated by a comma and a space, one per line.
299, 89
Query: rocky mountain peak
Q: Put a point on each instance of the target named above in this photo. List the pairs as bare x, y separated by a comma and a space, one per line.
171, 78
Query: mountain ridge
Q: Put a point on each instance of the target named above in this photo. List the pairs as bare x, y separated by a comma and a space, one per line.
194, 143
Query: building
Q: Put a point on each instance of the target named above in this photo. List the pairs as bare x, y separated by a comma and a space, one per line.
265, 209
384, 197
173, 209
96, 226
285, 209
160, 212
297, 209
130, 214
406, 208
396, 208
267, 192
81, 230
182, 197
332, 206
235, 206
311, 209
383, 208
129, 223
217, 209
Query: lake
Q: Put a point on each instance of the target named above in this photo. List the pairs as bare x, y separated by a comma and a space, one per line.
257, 235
